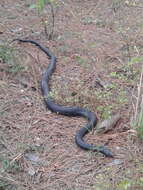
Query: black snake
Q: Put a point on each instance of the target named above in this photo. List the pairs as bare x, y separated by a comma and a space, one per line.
68, 111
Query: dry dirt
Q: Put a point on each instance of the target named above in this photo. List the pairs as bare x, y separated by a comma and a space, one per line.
99, 47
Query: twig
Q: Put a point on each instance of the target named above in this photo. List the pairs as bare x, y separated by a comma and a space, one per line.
10, 180
53, 22
138, 96
134, 6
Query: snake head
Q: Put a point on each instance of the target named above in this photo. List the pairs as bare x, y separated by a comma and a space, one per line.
106, 151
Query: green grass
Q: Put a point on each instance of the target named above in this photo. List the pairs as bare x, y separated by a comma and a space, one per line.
8, 57
6, 53
3, 184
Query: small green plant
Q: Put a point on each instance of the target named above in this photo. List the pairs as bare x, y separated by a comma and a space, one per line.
137, 121
127, 184
113, 74
135, 60
80, 60
116, 4
3, 184
9, 166
40, 6
87, 20
124, 184
5, 53
122, 99
53, 94
128, 72
139, 182
8, 57
105, 111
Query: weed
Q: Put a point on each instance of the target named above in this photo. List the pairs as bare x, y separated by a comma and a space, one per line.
128, 72
82, 61
139, 182
53, 94
112, 86
8, 57
113, 74
6, 53
8, 166
40, 6
87, 20
105, 111
79, 59
116, 4
122, 97
104, 94
135, 60
3, 184
16, 68
128, 183
100, 23
124, 184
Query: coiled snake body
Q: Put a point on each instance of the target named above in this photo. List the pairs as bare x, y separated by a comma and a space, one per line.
68, 111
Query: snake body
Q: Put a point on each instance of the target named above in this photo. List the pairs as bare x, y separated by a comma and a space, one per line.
67, 111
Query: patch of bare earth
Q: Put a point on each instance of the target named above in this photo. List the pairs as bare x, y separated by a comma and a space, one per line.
94, 41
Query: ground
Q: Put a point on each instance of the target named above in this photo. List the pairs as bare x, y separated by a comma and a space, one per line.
99, 47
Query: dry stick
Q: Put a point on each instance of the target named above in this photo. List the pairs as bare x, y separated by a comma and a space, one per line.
141, 110
134, 6
133, 105
11, 180
135, 47
138, 97
49, 35
53, 22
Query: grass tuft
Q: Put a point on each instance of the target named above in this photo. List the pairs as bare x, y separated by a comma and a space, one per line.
137, 121
8, 57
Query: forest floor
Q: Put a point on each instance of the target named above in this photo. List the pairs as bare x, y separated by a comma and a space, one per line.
99, 46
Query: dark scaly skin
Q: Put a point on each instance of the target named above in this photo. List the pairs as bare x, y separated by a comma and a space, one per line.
68, 111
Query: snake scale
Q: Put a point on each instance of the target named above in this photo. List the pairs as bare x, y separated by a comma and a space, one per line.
67, 111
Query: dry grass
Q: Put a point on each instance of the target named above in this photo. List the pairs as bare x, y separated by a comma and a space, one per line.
137, 120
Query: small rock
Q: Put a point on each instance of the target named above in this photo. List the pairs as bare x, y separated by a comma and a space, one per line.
16, 30
31, 171
115, 162
32, 157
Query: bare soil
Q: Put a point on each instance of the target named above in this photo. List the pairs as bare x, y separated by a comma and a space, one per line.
99, 47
